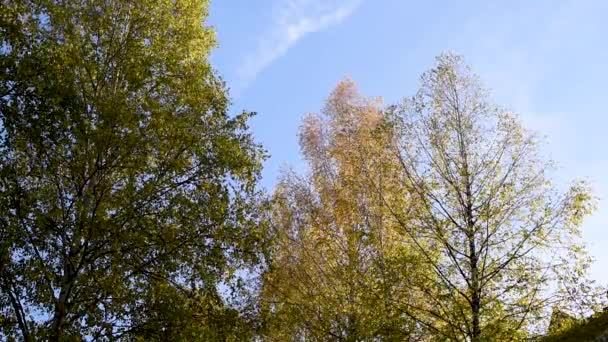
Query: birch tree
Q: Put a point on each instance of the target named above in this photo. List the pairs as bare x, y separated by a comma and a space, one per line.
340, 270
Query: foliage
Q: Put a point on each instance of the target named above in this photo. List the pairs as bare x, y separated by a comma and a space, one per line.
594, 328
129, 207
127, 193
434, 219
508, 238
340, 270
560, 321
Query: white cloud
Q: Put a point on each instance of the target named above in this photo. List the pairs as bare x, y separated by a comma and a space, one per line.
293, 20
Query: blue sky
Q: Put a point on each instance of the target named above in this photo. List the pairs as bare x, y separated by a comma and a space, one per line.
545, 60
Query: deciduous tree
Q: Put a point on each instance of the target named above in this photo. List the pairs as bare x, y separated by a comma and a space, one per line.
509, 239
127, 192
341, 270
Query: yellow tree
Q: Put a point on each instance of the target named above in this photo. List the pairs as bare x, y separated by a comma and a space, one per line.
341, 270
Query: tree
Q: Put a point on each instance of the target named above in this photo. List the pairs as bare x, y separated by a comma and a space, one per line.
127, 193
340, 270
508, 239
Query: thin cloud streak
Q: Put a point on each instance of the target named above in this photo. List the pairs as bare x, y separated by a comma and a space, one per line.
294, 19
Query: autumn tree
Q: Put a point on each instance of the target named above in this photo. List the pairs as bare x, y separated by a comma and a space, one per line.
127, 192
508, 238
340, 269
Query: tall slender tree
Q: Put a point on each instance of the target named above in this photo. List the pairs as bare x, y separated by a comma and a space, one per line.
127, 193
508, 238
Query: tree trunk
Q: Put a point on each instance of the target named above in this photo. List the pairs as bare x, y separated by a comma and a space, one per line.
61, 304
475, 295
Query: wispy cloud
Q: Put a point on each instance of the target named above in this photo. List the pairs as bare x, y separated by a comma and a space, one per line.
293, 20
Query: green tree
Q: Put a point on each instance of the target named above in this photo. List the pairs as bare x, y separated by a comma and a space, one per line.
127, 193
341, 270
508, 238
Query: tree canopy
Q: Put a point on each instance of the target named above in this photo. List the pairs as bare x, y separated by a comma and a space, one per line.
341, 268
130, 208
509, 238
437, 215
127, 192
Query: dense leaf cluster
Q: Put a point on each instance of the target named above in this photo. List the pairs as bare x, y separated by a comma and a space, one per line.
127, 193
